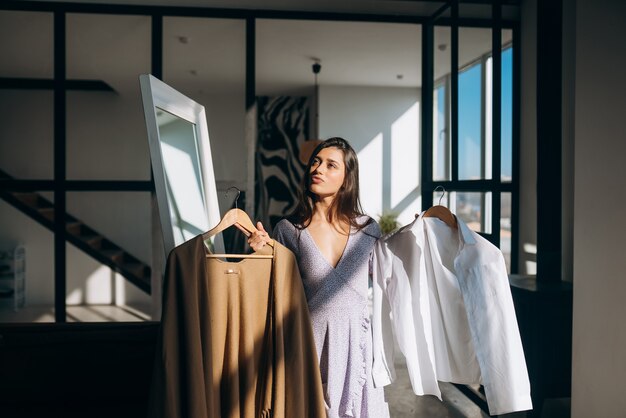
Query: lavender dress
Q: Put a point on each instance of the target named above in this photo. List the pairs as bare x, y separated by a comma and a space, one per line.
337, 299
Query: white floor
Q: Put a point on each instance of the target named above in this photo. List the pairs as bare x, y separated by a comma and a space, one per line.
78, 313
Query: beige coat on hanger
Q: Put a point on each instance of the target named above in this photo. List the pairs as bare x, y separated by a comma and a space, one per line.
235, 339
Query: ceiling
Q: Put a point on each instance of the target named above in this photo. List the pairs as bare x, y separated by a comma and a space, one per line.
422, 8
208, 54
404, 7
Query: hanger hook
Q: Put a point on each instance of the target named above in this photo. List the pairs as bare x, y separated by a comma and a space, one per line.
238, 193
443, 192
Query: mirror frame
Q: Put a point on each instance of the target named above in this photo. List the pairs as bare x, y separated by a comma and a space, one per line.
157, 94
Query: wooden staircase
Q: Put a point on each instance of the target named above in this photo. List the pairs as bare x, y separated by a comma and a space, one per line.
82, 236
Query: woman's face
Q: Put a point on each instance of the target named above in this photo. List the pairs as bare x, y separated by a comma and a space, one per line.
327, 172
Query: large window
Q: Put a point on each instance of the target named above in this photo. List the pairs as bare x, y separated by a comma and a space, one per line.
463, 159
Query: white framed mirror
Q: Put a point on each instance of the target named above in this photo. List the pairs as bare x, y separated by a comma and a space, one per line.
182, 164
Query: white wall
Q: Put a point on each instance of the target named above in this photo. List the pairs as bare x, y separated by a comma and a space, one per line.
382, 125
599, 339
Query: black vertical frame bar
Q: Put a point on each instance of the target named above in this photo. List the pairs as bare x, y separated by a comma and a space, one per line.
454, 89
515, 201
250, 62
156, 69
483, 151
427, 113
60, 266
549, 152
496, 119
446, 107
157, 46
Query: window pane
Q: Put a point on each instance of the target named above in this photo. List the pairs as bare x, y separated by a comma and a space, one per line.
377, 111
505, 228
27, 133
106, 131
26, 282
474, 208
27, 44
441, 104
474, 137
95, 292
205, 59
507, 113
488, 119
470, 123
441, 148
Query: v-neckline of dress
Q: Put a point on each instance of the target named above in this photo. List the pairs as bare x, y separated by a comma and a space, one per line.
345, 248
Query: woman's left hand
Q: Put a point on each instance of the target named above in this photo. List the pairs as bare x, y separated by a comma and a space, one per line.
259, 238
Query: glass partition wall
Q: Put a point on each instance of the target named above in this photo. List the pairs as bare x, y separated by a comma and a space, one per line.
368, 92
83, 148
472, 138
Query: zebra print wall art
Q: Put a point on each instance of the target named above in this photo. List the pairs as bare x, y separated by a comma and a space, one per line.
283, 125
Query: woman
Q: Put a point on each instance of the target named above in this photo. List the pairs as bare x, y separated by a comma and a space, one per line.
333, 242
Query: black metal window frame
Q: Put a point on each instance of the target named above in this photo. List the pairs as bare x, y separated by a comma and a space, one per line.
445, 81
495, 185
59, 84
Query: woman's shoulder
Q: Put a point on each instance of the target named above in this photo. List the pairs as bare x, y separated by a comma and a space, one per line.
284, 229
369, 225
284, 225
286, 233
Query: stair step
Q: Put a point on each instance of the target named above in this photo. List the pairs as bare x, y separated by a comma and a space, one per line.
47, 213
113, 254
95, 241
74, 228
30, 199
138, 269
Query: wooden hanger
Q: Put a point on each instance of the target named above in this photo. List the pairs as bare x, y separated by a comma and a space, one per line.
442, 212
242, 221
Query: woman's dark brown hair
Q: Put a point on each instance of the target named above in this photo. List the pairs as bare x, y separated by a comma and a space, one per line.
346, 206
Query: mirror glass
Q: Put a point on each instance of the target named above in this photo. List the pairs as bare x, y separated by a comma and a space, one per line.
182, 166
183, 178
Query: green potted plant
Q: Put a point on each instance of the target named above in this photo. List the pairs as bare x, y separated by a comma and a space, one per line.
388, 222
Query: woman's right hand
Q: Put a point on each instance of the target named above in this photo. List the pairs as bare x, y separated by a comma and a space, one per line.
259, 238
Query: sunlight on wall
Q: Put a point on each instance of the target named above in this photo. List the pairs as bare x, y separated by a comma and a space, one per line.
75, 298
120, 290
97, 289
531, 266
371, 176
405, 165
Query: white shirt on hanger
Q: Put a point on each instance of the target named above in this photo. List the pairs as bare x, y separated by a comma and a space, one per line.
444, 293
